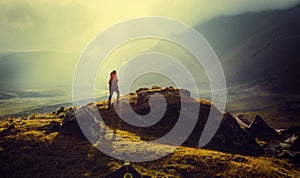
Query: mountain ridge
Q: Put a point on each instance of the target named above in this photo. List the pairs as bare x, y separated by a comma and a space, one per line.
257, 46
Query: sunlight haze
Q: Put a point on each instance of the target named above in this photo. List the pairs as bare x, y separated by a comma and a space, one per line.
71, 25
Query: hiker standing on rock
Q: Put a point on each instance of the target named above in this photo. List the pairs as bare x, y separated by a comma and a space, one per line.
113, 86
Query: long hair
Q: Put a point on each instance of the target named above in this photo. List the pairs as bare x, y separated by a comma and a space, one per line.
114, 72
112, 75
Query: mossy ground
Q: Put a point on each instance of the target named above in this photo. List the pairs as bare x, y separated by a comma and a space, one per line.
28, 151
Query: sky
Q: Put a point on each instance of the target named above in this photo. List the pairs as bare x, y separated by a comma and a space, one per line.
69, 25
51, 35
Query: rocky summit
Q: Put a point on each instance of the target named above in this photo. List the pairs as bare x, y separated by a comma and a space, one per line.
230, 137
260, 129
53, 145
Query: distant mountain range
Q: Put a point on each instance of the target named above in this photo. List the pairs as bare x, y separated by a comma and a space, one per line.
262, 48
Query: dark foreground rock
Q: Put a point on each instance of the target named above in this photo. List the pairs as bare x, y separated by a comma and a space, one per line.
88, 122
242, 121
286, 147
230, 137
260, 129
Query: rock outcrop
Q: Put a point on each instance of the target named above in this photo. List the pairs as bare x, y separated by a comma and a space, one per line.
242, 120
85, 116
287, 146
229, 138
260, 129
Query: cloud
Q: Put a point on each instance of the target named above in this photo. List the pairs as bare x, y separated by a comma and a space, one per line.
70, 25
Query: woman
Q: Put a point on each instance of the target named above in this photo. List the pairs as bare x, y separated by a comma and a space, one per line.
113, 86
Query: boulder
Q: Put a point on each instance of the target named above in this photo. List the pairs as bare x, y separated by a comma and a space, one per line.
287, 146
260, 129
88, 121
288, 149
231, 138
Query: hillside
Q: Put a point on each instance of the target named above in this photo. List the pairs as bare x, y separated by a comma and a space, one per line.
261, 47
259, 52
37, 146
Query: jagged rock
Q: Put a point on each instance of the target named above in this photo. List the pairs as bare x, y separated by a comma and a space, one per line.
231, 138
273, 147
287, 149
243, 119
287, 146
89, 122
260, 129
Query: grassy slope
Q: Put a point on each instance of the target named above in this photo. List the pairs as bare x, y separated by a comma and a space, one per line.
28, 151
